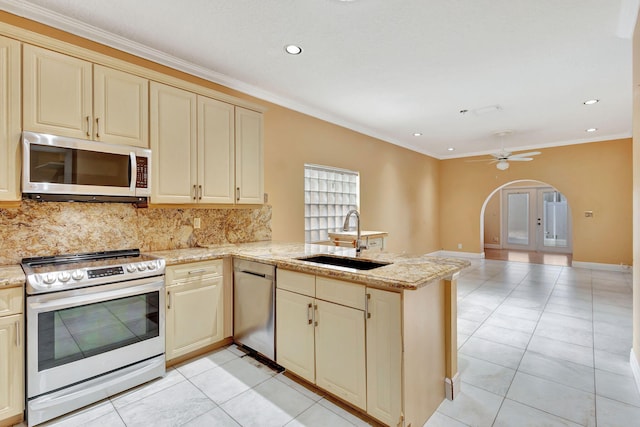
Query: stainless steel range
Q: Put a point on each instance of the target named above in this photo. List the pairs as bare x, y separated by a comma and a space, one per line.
95, 327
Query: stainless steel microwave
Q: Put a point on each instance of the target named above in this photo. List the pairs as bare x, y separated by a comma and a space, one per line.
62, 168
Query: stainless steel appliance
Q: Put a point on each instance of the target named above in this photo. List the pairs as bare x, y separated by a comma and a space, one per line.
254, 306
62, 168
95, 327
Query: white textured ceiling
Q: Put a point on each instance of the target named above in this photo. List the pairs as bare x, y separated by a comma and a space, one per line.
389, 68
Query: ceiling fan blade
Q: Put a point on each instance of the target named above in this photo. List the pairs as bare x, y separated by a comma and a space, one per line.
520, 159
531, 153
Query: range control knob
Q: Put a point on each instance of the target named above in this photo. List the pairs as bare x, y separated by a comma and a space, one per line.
142, 267
77, 275
49, 278
64, 276
131, 268
151, 265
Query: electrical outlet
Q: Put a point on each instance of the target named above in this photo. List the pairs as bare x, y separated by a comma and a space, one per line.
459, 245
196, 223
588, 214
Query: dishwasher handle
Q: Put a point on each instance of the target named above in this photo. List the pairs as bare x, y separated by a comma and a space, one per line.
253, 273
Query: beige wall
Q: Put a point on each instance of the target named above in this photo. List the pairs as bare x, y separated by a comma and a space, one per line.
595, 177
492, 220
398, 187
636, 197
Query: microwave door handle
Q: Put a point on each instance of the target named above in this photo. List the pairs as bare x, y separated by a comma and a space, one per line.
134, 172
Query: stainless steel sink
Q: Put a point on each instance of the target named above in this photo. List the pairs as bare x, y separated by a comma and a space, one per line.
355, 263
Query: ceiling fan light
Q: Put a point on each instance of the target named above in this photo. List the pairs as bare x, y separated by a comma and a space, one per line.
502, 165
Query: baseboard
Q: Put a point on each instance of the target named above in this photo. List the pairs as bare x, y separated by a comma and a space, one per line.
635, 367
492, 246
456, 254
600, 266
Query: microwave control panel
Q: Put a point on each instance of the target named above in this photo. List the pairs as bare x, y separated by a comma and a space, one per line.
142, 172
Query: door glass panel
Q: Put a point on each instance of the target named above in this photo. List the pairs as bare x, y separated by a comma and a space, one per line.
76, 333
518, 218
555, 220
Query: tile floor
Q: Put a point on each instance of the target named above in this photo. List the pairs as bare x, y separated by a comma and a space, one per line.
539, 345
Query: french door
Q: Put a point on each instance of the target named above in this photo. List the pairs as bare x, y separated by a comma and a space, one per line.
536, 219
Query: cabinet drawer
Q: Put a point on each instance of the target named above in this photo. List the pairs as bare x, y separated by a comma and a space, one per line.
374, 243
340, 292
293, 281
194, 270
10, 301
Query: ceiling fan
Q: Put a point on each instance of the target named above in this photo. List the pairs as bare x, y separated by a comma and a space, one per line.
502, 158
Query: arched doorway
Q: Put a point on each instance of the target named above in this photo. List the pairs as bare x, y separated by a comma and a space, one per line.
525, 220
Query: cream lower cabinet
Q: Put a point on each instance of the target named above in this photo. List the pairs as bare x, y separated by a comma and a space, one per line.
195, 307
320, 333
11, 355
345, 338
10, 120
67, 96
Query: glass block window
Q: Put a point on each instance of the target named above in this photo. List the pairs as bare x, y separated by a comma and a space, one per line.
329, 194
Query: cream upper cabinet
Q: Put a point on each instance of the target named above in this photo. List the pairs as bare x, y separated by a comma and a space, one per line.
173, 144
10, 113
204, 150
384, 355
120, 107
11, 355
195, 307
216, 135
249, 157
71, 97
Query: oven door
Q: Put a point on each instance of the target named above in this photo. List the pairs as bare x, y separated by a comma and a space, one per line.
76, 335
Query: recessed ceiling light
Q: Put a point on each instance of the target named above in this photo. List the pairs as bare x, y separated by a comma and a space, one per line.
591, 101
591, 130
450, 149
417, 134
292, 49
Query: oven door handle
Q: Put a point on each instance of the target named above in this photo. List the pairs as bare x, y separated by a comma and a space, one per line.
57, 301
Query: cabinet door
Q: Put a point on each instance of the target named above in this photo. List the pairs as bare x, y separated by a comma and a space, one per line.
384, 356
195, 315
340, 352
294, 334
11, 366
249, 157
120, 107
56, 93
216, 168
173, 144
10, 111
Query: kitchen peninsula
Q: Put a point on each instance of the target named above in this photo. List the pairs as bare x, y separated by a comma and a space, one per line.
405, 364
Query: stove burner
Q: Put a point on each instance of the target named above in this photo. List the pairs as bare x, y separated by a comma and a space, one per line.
70, 271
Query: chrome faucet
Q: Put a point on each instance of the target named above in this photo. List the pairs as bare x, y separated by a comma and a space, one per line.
345, 227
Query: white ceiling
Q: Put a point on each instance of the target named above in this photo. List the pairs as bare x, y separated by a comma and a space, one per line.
389, 68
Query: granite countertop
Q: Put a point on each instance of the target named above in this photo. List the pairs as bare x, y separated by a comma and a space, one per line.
405, 271
11, 276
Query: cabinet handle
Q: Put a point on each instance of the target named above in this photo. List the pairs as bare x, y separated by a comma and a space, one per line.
17, 333
310, 313
366, 306
169, 300
237, 194
195, 193
97, 127
199, 192
88, 126
315, 318
202, 270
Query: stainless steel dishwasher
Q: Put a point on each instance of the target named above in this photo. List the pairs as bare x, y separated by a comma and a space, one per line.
254, 294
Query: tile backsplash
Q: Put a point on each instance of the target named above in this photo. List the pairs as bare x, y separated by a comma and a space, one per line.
51, 228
